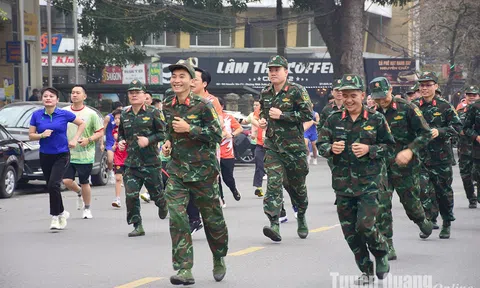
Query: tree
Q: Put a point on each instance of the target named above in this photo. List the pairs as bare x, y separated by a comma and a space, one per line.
114, 27
450, 34
341, 24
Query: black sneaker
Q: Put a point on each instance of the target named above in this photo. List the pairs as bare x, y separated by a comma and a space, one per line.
237, 195
195, 226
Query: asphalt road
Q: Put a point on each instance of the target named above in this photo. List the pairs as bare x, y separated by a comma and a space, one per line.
98, 253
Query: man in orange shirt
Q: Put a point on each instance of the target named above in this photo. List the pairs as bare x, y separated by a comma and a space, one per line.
227, 156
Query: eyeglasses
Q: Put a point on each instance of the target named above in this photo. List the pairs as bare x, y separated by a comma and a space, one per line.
426, 85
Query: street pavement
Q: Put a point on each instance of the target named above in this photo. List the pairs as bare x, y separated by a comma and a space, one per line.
98, 253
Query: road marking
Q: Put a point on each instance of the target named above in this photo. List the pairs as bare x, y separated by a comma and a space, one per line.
139, 282
245, 251
325, 228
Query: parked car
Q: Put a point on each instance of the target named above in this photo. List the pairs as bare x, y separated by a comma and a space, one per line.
12, 160
16, 117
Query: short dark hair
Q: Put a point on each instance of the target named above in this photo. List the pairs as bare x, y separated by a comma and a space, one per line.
155, 101
116, 112
35, 90
51, 90
116, 105
206, 77
149, 93
81, 86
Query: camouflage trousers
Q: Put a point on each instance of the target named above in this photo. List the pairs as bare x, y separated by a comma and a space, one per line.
406, 182
134, 178
465, 164
205, 196
441, 178
428, 196
357, 216
289, 169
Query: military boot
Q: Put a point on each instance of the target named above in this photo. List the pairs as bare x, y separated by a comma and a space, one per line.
302, 229
435, 225
137, 231
162, 212
219, 268
425, 228
472, 204
364, 279
382, 267
392, 255
183, 277
445, 232
273, 232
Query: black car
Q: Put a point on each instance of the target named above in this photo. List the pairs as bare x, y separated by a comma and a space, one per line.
16, 117
11, 163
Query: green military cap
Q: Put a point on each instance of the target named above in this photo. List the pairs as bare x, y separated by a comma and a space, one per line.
336, 84
379, 87
136, 85
352, 82
183, 64
472, 90
428, 76
412, 89
278, 61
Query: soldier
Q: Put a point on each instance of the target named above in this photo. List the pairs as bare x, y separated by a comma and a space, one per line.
356, 140
284, 106
193, 134
465, 148
444, 124
412, 93
411, 134
336, 105
141, 128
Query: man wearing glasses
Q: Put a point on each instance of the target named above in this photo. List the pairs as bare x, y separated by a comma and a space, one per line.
141, 128
437, 157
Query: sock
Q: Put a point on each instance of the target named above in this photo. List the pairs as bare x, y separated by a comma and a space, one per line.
87, 206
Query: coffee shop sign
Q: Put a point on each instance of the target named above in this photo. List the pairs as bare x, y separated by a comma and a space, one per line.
258, 67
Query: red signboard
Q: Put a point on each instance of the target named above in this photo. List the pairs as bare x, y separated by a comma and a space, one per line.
112, 75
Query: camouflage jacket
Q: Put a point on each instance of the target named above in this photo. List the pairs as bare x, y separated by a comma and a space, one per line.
409, 129
440, 115
465, 143
286, 133
352, 176
471, 127
149, 122
193, 155
326, 111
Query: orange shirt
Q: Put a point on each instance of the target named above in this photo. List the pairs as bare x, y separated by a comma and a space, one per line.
226, 147
256, 114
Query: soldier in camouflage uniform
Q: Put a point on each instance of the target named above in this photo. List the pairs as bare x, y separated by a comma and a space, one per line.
412, 93
356, 139
444, 123
337, 104
192, 137
142, 127
284, 106
411, 134
465, 147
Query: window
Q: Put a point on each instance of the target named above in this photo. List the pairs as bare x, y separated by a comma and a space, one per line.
308, 34
263, 37
162, 39
221, 37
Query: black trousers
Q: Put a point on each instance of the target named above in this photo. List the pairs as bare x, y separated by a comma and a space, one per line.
227, 166
53, 167
259, 169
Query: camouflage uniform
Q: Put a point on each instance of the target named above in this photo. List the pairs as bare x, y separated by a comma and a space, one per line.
465, 160
143, 165
193, 170
439, 114
471, 129
357, 181
329, 108
285, 151
410, 131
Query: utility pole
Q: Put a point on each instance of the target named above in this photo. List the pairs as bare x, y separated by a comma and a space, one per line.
49, 32
280, 30
22, 89
75, 38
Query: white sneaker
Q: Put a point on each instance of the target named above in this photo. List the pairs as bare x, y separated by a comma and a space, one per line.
111, 177
314, 162
116, 203
264, 177
62, 219
222, 203
308, 159
283, 219
145, 197
55, 224
87, 214
80, 203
